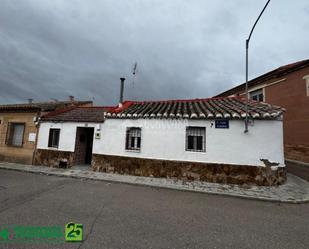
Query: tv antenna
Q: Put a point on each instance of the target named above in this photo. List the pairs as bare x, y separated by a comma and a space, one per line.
134, 72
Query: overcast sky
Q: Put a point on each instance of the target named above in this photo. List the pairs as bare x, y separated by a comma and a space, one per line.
184, 49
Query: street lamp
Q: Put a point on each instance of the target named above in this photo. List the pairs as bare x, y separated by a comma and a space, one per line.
247, 48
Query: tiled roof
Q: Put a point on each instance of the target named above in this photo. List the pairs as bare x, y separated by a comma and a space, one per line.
277, 73
230, 108
42, 106
77, 114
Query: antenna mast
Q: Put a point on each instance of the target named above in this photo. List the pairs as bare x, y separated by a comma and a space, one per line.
134, 71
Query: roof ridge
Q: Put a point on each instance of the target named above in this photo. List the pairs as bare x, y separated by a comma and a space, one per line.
274, 73
211, 108
59, 111
94, 107
180, 100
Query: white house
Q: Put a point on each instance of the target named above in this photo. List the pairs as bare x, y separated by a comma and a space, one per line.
66, 136
189, 139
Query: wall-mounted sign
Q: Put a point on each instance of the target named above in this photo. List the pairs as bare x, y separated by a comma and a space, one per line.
32, 137
222, 124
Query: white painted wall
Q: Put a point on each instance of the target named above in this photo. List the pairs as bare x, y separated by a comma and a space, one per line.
165, 139
67, 134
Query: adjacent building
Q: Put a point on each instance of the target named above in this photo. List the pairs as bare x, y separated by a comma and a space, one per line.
66, 137
19, 125
286, 86
197, 139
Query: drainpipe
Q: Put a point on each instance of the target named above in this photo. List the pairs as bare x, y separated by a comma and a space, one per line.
38, 115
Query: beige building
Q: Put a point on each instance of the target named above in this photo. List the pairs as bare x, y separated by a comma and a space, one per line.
19, 127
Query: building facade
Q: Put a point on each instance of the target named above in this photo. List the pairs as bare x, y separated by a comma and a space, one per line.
18, 135
19, 125
67, 138
201, 139
286, 86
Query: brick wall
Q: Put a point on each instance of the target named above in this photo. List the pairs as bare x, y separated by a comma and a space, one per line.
291, 94
297, 152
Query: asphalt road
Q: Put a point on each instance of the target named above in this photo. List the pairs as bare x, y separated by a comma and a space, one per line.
127, 216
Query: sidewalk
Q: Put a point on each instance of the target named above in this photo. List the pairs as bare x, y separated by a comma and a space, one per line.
295, 190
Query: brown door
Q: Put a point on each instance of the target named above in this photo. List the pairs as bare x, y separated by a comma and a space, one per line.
83, 145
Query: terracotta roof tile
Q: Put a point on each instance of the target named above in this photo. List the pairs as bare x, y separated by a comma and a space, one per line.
77, 114
42, 106
231, 108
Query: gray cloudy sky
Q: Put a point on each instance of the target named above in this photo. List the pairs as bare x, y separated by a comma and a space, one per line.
184, 49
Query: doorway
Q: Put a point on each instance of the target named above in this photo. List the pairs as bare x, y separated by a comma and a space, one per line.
83, 145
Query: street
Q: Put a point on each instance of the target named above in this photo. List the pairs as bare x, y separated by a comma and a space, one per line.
128, 216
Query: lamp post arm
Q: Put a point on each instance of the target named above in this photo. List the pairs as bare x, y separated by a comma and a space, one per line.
257, 22
247, 66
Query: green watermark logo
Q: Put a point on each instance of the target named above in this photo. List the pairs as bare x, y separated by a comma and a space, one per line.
71, 232
4, 234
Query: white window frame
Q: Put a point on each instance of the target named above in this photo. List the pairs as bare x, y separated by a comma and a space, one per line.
258, 92
306, 78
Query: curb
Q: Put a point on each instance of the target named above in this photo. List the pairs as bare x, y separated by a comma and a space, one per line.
171, 187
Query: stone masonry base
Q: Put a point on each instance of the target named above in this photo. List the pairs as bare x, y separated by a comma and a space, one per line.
210, 172
54, 158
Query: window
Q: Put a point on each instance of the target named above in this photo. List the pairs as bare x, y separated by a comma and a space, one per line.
53, 140
133, 138
257, 95
15, 134
195, 138
306, 78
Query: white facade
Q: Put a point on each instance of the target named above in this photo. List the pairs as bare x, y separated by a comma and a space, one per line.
67, 134
165, 139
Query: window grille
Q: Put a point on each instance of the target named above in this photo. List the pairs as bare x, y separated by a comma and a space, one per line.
133, 138
53, 140
195, 139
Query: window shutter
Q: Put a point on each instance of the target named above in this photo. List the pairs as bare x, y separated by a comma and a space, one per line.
127, 138
50, 138
56, 138
8, 134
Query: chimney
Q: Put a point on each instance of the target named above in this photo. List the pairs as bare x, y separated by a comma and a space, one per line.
121, 91
30, 101
71, 98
